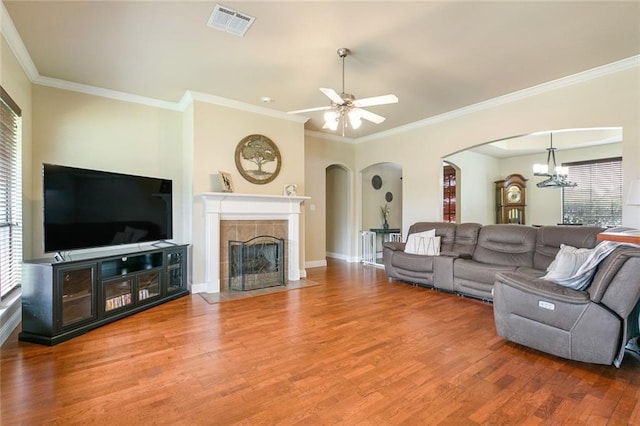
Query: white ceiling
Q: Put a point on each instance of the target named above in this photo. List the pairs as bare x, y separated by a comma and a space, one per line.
435, 56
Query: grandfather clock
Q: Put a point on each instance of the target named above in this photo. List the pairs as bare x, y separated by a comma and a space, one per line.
511, 199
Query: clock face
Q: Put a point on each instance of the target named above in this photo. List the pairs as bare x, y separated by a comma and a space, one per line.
514, 195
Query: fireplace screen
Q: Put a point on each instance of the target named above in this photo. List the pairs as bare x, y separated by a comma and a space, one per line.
256, 263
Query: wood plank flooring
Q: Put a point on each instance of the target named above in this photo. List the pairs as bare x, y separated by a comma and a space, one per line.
355, 350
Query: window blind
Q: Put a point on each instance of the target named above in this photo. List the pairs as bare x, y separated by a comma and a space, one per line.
10, 194
597, 200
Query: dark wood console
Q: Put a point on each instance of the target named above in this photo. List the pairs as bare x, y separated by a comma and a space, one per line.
61, 300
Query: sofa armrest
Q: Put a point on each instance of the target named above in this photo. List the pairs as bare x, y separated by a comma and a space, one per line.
542, 288
393, 245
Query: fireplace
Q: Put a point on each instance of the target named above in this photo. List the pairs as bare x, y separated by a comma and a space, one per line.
228, 211
256, 263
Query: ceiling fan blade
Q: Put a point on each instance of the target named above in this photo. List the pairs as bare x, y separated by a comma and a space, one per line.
376, 100
331, 94
322, 108
368, 115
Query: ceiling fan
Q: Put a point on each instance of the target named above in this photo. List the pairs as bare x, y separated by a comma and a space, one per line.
346, 108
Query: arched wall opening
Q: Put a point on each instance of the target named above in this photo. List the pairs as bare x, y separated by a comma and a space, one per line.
338, 202
483, 165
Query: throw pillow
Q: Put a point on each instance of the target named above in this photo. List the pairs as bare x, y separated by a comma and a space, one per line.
425, 243
567, 262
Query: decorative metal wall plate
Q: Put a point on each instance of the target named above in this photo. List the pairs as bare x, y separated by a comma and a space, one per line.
258, 159
376, 182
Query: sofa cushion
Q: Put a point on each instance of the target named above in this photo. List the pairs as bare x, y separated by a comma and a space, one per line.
423, 243
581, 278
466, 238
446, 232
506, 245
549, 239
414, 240
470, 270
567, 262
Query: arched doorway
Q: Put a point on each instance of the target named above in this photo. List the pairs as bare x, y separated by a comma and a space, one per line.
337, 202
449, 193
381, 199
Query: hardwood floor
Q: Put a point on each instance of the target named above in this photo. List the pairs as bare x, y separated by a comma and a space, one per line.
355, 350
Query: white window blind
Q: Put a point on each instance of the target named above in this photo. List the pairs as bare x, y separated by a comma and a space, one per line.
10, 194
597, 200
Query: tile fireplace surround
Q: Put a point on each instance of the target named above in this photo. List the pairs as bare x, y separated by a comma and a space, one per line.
219, 206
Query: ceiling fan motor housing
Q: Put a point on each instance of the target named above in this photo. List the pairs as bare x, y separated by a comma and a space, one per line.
343, 51
348, 99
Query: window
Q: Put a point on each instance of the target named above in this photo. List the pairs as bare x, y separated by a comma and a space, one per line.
597, 200
10, 194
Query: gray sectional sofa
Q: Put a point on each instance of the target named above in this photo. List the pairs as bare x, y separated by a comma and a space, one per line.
505, 264
471, 254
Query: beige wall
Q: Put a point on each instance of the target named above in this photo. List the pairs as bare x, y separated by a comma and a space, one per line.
217, 130
544, 206
86, 131
17, 85
191, 147
373, 199
321, 153
475, 192
610, 100
338, 199
479, 172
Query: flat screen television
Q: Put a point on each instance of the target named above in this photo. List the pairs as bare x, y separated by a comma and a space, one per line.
91, 208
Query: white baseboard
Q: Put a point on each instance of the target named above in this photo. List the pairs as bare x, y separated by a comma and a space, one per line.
198, 288
11, 317
344, 257
338, 256
315, 264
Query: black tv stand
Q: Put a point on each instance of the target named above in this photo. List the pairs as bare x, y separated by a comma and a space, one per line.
159, 243
64, 299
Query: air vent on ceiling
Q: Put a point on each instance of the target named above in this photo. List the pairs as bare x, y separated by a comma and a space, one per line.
225, 19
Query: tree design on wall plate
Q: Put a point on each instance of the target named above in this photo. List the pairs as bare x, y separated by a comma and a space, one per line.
258, 159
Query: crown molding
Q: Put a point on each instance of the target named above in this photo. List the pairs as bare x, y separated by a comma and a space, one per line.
230, 103
10, 33
105, 93
612, 68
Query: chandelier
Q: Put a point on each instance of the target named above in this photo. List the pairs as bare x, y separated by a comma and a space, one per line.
556, 175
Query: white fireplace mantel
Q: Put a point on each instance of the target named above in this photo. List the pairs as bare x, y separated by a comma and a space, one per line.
220, 206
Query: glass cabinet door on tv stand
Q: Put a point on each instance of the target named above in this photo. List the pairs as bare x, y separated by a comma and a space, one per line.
176, 270
77, 290
118, 294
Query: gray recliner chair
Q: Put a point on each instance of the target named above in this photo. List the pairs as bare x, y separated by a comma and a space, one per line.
593, 325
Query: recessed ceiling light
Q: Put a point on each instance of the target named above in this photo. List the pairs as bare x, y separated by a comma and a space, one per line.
266, 99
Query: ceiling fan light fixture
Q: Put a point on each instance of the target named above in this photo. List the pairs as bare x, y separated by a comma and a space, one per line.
355, 119
331, 119
345, 110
